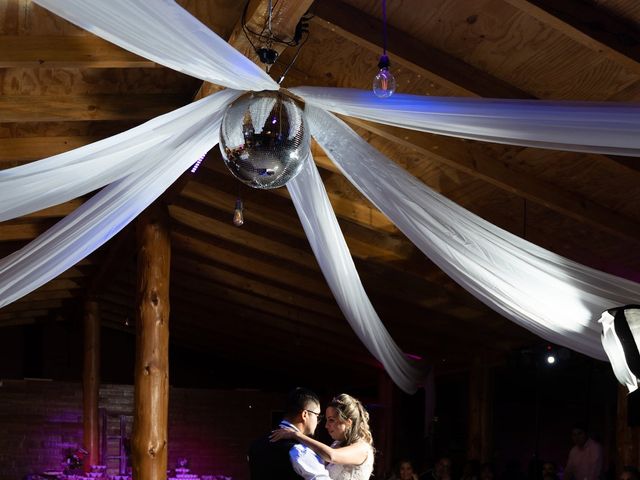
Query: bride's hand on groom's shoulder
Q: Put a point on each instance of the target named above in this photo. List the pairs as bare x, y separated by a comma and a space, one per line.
282, 434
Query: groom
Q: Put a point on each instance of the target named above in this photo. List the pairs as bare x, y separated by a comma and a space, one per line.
286, 459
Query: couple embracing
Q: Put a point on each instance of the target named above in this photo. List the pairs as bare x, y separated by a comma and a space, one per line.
291, 453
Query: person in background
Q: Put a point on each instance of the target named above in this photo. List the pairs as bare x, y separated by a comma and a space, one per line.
441, 470
471, 470
585, 458
404, 471
487, 471
549, 471
629, 473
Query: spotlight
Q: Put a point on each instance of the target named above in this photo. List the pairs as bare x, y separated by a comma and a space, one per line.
550, 355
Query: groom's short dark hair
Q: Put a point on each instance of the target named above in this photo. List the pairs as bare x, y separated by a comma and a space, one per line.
298, 399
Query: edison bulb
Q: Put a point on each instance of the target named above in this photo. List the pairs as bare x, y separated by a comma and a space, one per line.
384, 83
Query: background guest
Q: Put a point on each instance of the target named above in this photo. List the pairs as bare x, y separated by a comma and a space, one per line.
585, 458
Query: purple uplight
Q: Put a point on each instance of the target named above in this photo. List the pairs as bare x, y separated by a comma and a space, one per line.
413, 356
197, 164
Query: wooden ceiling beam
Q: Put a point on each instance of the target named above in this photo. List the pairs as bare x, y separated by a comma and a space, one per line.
205, 300
194, 242
59, 283
224, 278
17, 151
12, 230
20, 318
18, 306
56, 211
272, 317
224, 316
363, 242
248, 340
43, 295
589, 25
365, 31
40, 108
187, 214
70, 51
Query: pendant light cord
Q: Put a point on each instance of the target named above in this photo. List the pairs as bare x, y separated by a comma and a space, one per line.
384, 27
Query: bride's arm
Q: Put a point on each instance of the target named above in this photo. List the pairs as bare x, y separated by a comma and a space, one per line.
353, 454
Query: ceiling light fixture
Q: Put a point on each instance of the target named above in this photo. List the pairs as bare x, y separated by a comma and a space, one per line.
384, 83
238, 215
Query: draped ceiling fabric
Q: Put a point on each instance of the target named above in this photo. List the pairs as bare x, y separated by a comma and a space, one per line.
558, 299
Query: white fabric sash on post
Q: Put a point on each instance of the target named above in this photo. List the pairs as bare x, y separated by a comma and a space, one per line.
594, 127
328, 244
552, 296
162, 31
106, 213
69, 175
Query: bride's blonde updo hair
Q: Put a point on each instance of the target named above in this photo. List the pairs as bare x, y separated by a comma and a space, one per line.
350, 408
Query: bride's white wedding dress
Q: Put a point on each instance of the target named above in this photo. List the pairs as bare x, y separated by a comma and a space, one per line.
352, 472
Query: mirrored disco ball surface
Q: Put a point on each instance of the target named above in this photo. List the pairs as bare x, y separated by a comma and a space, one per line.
264, 139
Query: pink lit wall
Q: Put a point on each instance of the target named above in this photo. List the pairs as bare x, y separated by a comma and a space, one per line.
40, 420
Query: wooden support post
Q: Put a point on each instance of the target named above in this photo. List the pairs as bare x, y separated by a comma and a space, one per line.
151, 398
480, 420
91, 383
627, 438
385, 442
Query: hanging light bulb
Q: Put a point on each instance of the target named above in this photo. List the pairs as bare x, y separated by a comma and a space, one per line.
384, 83
238, 216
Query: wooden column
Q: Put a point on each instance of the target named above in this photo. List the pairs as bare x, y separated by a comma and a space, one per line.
480, 419
627, 438
151, 398
385, 442
91, 383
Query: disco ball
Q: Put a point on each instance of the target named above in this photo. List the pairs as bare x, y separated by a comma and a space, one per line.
264, 139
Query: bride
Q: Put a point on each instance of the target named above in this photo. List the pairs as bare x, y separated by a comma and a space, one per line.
350, 456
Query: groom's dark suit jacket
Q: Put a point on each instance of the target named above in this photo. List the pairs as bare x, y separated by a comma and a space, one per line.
270, 460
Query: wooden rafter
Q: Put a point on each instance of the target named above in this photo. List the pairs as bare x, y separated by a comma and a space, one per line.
590, 26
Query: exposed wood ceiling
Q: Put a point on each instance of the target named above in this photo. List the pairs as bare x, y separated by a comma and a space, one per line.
243, 291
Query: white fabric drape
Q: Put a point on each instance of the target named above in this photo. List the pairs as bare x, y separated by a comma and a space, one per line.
615, 352
60, 178
596, 127
556, 298
107, 212
328, 244
162, 31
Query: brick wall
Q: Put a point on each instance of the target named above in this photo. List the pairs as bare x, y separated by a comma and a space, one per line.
41, 420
